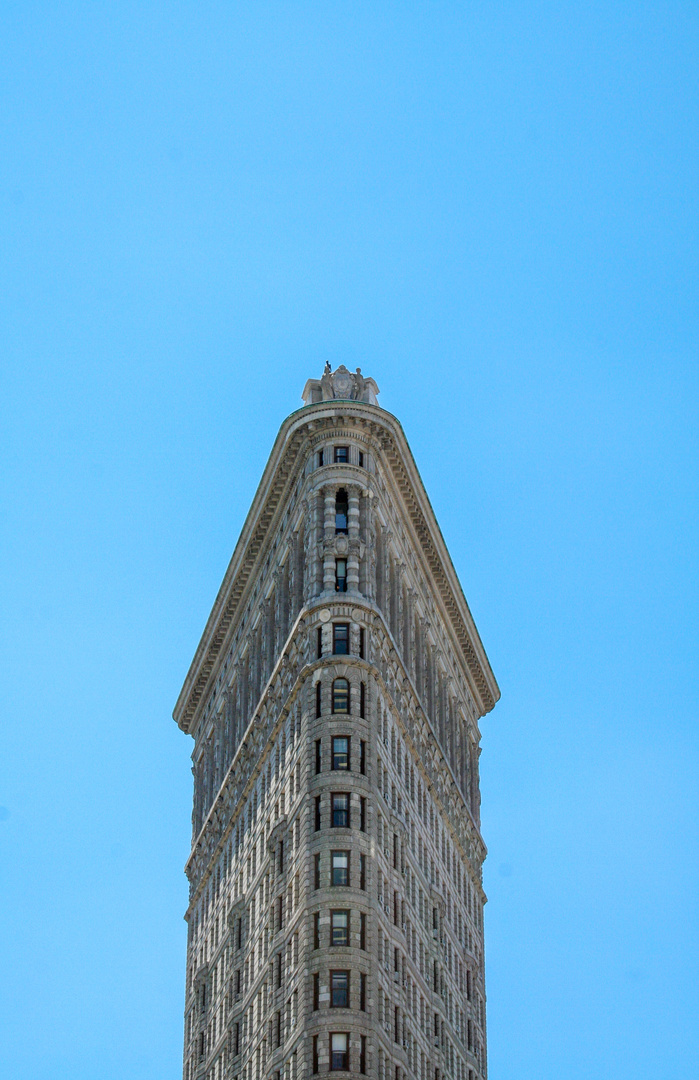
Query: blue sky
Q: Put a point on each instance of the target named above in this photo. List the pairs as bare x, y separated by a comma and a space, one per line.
492, 208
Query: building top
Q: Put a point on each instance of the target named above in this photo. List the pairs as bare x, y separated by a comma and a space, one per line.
340, 385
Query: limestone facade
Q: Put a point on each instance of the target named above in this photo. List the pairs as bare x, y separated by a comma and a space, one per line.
335, 918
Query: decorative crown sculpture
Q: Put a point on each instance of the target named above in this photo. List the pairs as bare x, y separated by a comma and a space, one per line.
340, 385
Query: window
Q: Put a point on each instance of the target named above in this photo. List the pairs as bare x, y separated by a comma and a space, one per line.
339, 989
361, 642
315, 1054
319, 648
317, 813
340, 802
321, 458
340, 575
341, 455
340, 867
339, 1055
362, 931
341, 752
360, 459
362, 872
362, 755
362, 814
362, 993
341, 696
316, 930
318, 700
341, 511
341, 638
318, 756
362, 700
339, 928
316, 992
316, 871
362, 1056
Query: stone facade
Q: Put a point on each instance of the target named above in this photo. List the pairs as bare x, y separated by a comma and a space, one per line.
335, 921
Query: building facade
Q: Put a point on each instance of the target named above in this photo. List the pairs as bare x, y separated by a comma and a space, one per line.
335, 918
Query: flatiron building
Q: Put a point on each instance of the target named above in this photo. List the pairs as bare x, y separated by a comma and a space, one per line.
335, 918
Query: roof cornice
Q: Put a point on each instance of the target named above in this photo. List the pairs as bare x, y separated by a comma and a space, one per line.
279, 477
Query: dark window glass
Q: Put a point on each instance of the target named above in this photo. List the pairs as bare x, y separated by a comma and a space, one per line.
340, 867
341, 696
317, 814
341, 638
339, 989
321, 458
340, 810
341, 511
362, 872
362, 993
315, 1055
362, 756
339, 928
362, 700
341, 752
339, 1054
361, 459
361, 643
316, 992
340, 575
318, 699
341, 454
319, 642
318, 756
362, 931
316, 871
316, 931
362, 1056
362, 814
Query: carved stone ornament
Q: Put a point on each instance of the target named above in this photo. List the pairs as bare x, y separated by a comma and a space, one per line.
340, 385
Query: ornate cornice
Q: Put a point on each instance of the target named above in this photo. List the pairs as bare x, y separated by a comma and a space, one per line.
281, 474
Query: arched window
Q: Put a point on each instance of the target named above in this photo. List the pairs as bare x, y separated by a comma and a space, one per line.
341, 511
341, 696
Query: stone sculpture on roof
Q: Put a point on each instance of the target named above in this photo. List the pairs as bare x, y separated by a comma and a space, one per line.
340, 385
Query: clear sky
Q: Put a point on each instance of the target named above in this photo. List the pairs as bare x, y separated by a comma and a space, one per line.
490, 207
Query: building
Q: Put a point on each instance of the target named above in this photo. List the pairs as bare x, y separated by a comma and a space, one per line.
335, 921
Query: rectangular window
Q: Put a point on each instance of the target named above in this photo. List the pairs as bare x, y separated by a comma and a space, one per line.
341, 752
340, 867
339, 1053
339, 989
315, 1055
321, 458
362, 700
318, 700
316, 992
361, 642
362, 756
317, 813
362, 1056
318, 752
340, 810
316, 871
340, 575
339, 928
362, 993
362, 872
341, 455
360, 459
362, 813
316, 930
341, 639
362, 931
